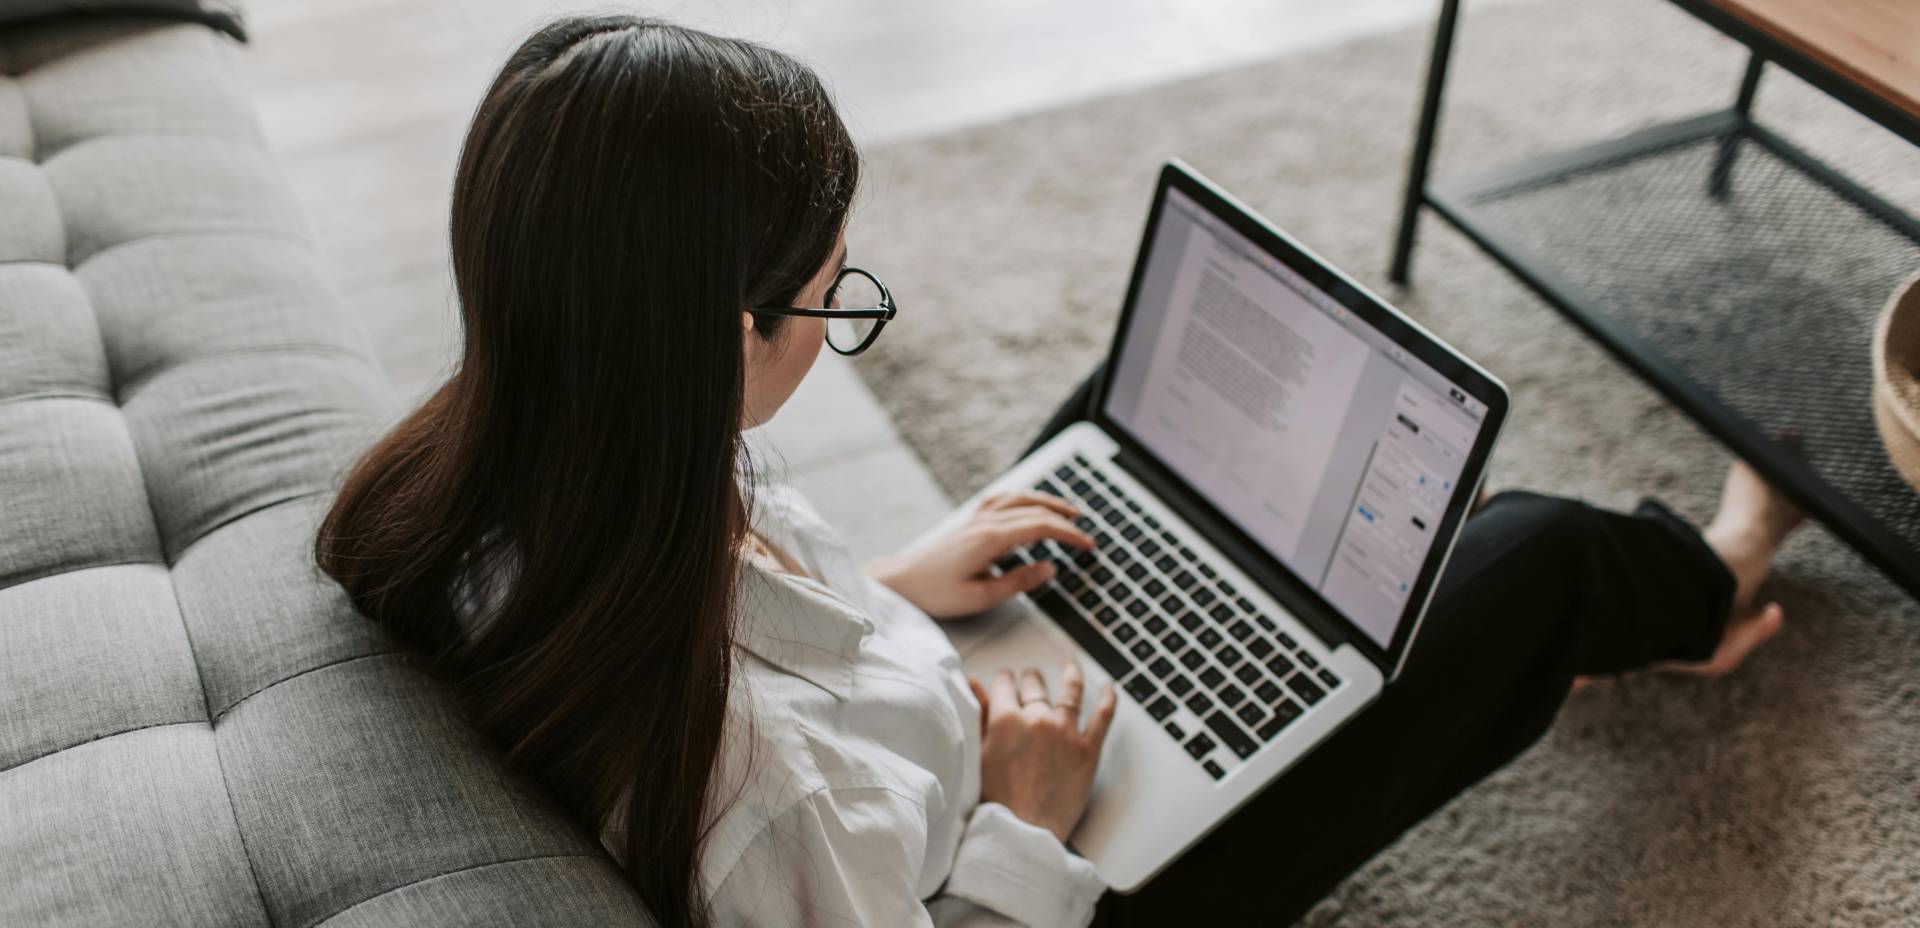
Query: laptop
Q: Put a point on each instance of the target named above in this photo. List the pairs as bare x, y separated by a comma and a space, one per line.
1275, 472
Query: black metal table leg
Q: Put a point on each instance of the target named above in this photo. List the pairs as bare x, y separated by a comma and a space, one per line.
1423, 140
1730, 146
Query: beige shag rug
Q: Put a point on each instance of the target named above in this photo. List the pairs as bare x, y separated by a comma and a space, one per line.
1788, 794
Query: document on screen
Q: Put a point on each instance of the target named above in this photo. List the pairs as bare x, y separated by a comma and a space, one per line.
1248, 401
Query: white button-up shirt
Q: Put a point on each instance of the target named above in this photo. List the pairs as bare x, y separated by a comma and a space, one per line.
849, 783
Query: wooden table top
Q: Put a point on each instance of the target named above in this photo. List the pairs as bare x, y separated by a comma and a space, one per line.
1872, 43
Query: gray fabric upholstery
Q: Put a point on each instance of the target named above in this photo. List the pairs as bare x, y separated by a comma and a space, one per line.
195, 726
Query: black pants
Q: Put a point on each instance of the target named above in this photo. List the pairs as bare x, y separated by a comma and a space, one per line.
1539, 589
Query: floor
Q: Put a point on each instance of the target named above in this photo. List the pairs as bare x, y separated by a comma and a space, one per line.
365, 101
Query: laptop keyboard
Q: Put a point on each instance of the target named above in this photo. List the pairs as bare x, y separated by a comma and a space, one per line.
1220, 677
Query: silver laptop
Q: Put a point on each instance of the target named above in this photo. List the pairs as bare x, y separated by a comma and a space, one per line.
1276, 470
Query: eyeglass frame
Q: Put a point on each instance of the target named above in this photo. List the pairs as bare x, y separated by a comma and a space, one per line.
883, 313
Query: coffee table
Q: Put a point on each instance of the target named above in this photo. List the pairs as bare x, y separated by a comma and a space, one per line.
1735, 272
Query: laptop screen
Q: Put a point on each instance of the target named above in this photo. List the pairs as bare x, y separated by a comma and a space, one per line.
1318, 436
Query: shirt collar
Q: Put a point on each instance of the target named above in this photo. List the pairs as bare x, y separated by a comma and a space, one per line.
797, 623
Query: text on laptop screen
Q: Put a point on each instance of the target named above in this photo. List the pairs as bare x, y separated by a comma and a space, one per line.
1319, 437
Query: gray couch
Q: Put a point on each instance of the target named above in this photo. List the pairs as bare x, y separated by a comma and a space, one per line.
195, 727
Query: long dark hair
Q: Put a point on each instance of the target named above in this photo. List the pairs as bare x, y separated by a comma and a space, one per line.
626, 188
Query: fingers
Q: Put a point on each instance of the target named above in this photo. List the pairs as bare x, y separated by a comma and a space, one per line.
1000, 501
979, 696
1072, 684
1032, 687
1018, 580
1096, 733
1026, 529
1001, 698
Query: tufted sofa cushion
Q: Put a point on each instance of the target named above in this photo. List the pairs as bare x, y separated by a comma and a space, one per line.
195, 727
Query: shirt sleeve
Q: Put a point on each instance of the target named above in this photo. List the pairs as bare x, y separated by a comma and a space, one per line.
854, 856
1023, 872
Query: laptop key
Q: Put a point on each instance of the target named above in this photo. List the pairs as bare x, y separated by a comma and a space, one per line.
1161, 708
1326, 676
1180, 685
1251, 714
1200, 745
1149, 547
1136, 571
1188, 620
1102, 575
1230, 695
1125, 633
1286, 641
1178, 733
1105, 615
1155, 625
1305, 688
1063, 472
1221, 614
1207, 572
1228, 655
1141, 688
1259, 648
1307, 661
1138, 608
1170, 604
1174, 642
1192, 660
1248, 673
1280, 665
1154, 587
1228, 588
1183, 581
1283, 715
1209, 638
1161, 667
1203, 596
1246, 605
1089, 599
1269, 692
1212, 677
1232, 735
1131, 533
1266, 623
1240, 630
1142, 649
1167, 564
1213, 770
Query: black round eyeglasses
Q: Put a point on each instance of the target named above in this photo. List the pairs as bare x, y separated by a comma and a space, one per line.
865, 307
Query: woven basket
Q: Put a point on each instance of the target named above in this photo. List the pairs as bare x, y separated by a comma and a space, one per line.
1896, 380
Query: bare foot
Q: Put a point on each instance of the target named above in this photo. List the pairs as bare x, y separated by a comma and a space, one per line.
1754, 519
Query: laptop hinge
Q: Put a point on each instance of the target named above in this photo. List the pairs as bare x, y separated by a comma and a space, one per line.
1256, 563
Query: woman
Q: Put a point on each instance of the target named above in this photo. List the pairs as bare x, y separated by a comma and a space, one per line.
643, 217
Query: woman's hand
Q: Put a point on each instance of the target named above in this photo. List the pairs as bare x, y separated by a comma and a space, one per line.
953, 576
1035, 759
